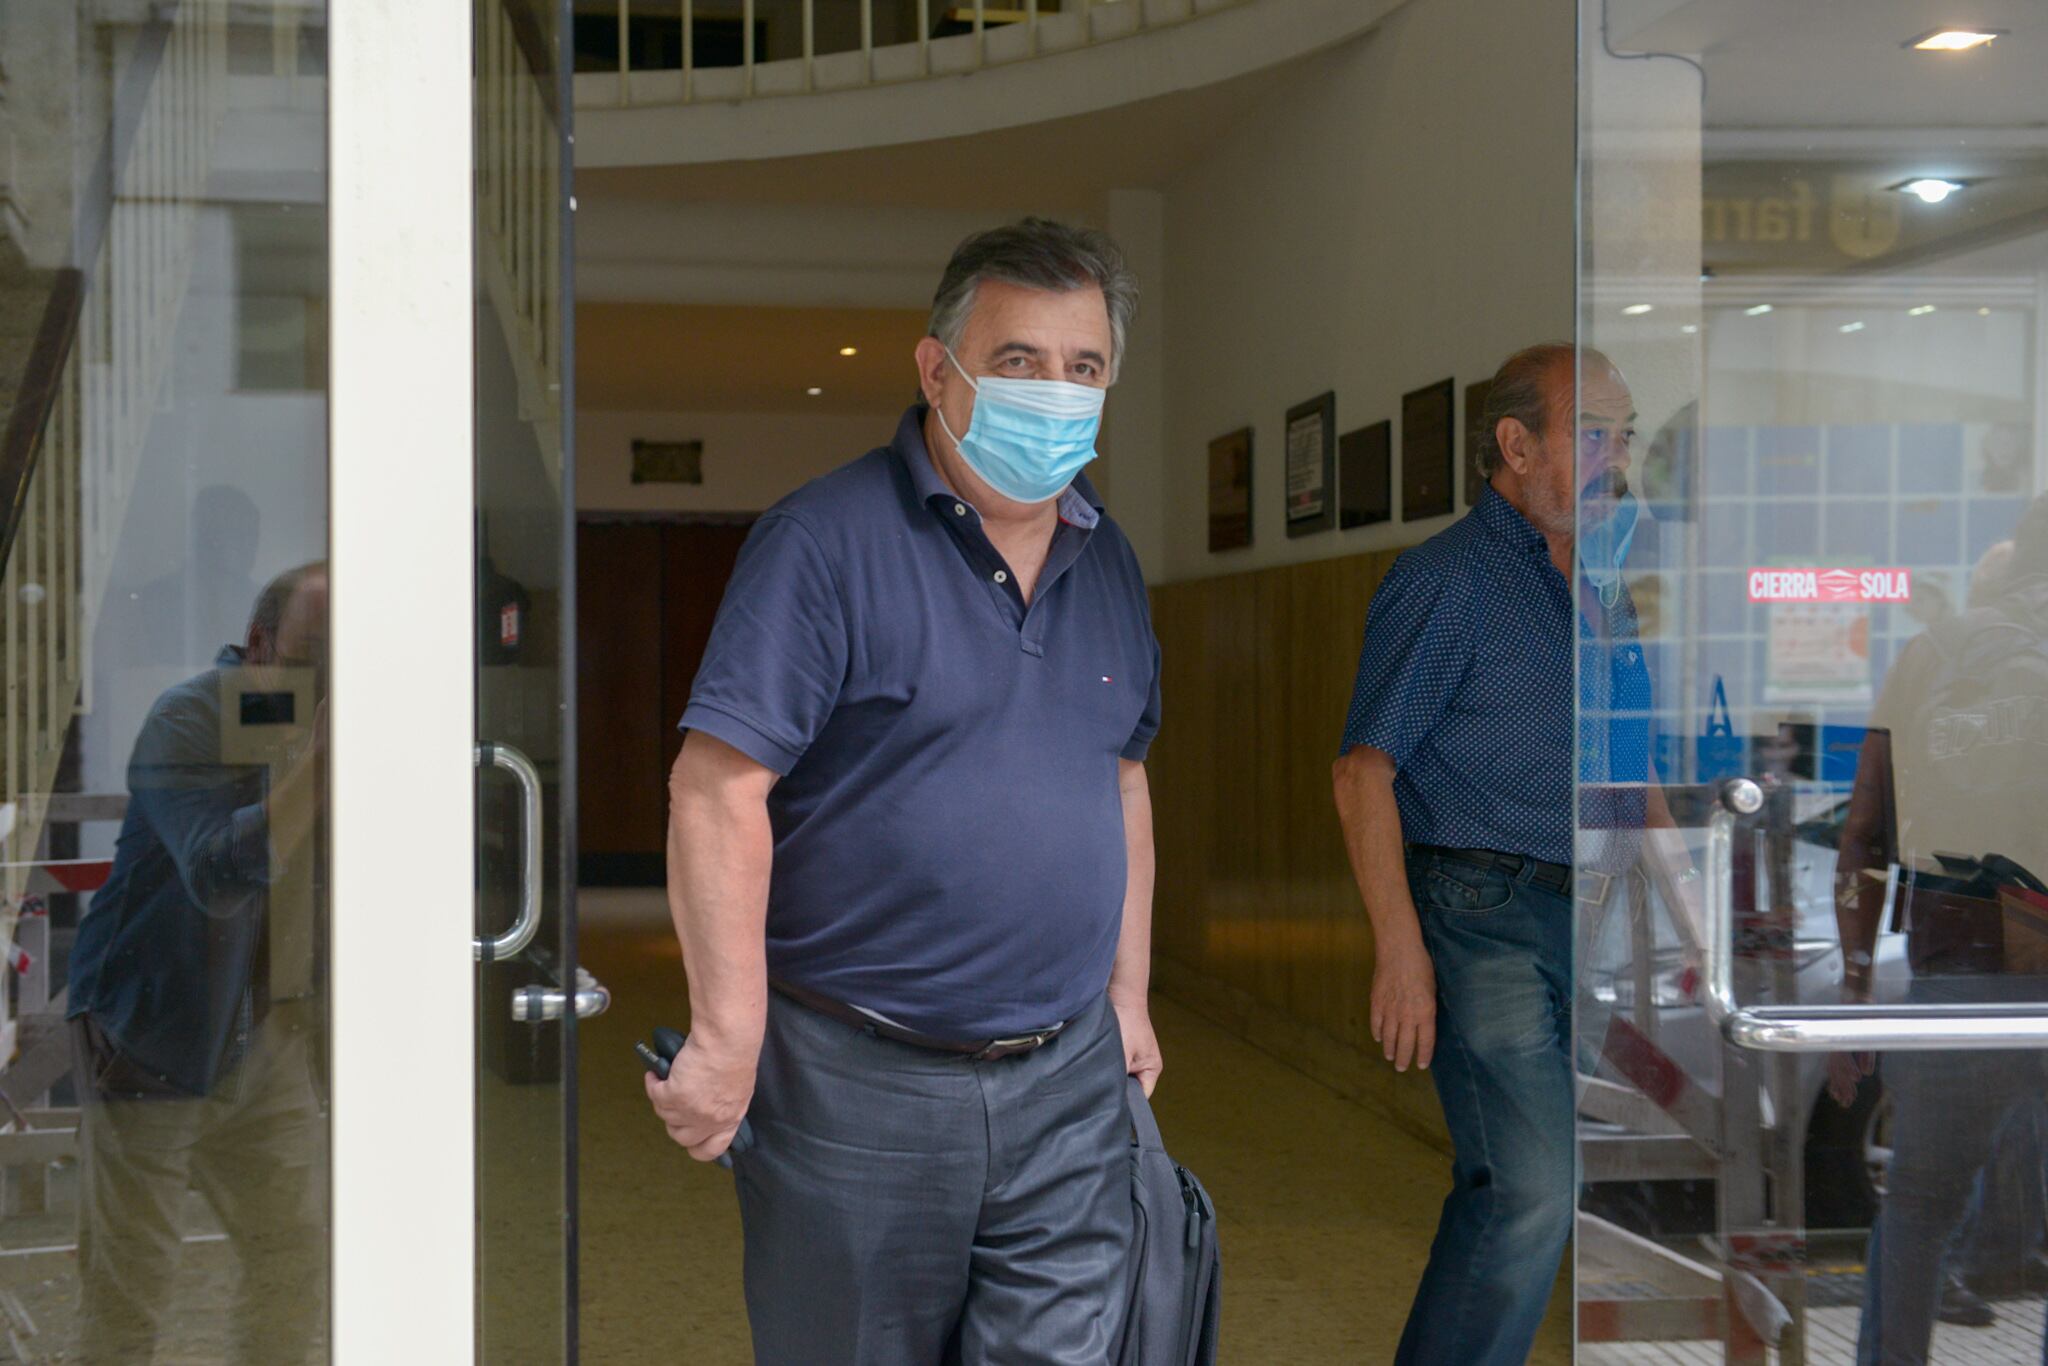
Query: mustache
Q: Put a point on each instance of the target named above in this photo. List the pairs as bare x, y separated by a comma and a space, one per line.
1611, 482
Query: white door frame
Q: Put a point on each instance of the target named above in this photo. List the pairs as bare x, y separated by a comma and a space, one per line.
402, 715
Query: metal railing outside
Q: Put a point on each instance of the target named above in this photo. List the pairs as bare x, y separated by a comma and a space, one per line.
972, 34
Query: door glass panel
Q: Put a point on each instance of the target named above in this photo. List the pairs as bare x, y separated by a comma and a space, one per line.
1816, 256
163, 627
526, 1068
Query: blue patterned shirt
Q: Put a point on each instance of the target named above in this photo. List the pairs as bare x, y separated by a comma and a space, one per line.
1465, 681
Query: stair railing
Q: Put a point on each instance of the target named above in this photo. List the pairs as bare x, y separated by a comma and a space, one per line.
74, 439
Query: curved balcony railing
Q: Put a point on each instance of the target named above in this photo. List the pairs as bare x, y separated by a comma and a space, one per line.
650, 52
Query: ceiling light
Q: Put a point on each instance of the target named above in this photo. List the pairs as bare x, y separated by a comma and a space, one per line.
1690, 328
1852, 327
1929, 189
849, 350
814, 391
1758, 311
1638, 310
1922, 311
1983, 312
1956, 39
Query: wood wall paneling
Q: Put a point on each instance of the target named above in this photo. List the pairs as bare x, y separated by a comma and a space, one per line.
618, 687
648, 592
1258, 921
696, 564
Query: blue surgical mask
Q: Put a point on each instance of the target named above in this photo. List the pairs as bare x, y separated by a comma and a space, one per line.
1028, 438
1603, 545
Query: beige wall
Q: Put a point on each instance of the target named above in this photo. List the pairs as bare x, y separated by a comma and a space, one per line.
750, 459
1401, 213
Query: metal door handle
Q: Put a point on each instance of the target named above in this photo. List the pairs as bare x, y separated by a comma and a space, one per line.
1831, 1029
532, 1004
513, 941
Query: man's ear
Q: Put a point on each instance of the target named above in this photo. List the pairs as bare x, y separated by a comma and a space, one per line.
1517, 444
931, 368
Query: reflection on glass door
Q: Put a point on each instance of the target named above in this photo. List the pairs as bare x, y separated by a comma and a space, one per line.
164, 1154
1814, 1032
530, 991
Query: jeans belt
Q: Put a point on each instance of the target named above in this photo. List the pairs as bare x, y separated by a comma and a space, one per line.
1552, 877
979, 1050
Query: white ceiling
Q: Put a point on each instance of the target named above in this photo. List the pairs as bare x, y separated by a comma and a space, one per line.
1836, 66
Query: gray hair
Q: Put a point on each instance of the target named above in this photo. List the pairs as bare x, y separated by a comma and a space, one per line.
1520, 390
1036, 253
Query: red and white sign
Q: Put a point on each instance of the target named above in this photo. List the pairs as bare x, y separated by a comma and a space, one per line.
1830, 585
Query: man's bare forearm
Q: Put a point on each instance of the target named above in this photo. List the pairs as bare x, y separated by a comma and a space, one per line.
1131, 978
720, 849
1364, 783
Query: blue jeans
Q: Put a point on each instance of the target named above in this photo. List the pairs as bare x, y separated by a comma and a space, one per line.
1503, 954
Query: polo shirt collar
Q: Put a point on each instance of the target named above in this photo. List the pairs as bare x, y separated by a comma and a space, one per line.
1504, 520
1080, 504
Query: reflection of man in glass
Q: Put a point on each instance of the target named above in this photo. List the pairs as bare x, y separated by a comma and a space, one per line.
194, 998
1455, 789
1951, 784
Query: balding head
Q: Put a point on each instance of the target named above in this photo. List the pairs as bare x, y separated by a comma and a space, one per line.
1542, 397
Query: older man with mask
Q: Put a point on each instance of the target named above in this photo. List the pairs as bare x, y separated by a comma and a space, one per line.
1455, 788
910, 854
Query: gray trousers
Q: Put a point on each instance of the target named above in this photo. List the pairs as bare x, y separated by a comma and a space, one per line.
904, 1207
257, 1150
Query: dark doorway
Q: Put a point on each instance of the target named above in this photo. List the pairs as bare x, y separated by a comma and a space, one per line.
647, 591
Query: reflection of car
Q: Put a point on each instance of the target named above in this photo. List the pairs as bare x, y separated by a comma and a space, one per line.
1845, 1148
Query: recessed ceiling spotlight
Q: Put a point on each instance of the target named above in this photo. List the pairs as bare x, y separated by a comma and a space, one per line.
1638, 310
1956, 39
1757, 312
1930, 189
1690, 328
1983, 312
1922, 311
1852, 327
849, 350
814, 391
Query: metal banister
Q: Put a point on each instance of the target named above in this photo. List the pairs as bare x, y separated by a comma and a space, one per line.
981, 18
1835, 1028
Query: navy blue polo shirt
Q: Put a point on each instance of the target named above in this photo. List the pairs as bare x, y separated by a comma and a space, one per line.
949, 838
1465, 680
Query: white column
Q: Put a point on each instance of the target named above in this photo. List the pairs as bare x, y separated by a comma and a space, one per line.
1134, 419
403, 640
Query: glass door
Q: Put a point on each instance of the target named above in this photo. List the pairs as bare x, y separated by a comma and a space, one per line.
530, 991
1813, 1006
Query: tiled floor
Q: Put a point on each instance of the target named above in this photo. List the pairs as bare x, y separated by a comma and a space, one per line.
1325, 1211
2015, 1340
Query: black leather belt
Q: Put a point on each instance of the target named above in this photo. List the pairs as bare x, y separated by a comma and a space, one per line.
979, 1050
1551, 877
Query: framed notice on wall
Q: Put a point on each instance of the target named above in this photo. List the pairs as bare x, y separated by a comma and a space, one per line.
1365, 485
1312, 465
1426, 451
1230, 490
1475, 422
668, 462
